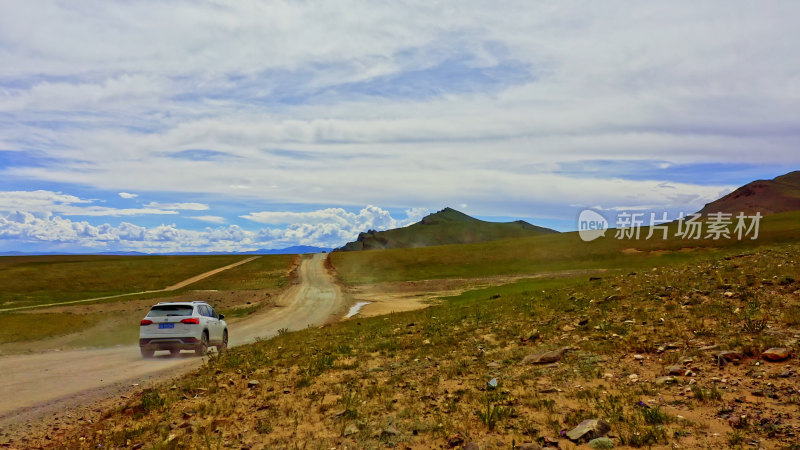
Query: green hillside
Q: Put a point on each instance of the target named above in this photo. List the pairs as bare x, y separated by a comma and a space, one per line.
547, 253
447, 226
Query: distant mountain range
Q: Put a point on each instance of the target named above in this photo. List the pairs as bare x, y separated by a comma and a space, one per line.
781, 194
297, 249
447, 226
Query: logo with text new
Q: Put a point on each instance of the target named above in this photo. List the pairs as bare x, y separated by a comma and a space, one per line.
591, 225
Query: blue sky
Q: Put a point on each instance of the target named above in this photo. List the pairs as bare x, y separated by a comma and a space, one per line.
209, 126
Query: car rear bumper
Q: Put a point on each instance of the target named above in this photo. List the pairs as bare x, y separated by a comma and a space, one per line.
168, 343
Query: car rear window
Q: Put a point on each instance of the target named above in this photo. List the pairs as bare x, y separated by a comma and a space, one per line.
170, 310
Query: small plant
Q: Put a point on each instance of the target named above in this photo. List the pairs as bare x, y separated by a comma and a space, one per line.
735, 438
152, 401
263, 427
704, 395
494, 413
656, 416
754, 326
283, 331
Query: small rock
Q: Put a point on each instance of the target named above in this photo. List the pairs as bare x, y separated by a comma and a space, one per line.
676, 370
252, 384
776, 354
728, 294
350, 429
601, 443
638, 357
455, 440
588, 430
633, 377
546, 357
729, 356
492, 384
529, 446
666, 380
391, 430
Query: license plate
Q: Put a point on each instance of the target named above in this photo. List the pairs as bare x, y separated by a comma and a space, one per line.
166, 325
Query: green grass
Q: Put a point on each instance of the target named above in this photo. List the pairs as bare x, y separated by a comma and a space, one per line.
266, 272
424, 371
31, 327
26, 281
547, 253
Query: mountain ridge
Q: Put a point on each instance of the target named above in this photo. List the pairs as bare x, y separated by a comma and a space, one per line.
780, 194
447, 226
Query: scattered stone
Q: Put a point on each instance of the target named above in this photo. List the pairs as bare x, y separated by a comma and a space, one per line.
529, 446
728, 294
738, 421
666, 380
633, 377
491, 384
638, 357
677, 370
455, 440
350, 429
391, 430
588, 430
776, 354
601, 443
729, 356
546, 357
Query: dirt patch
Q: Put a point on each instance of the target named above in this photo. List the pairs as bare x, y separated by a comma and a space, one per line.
400, 296
630, 251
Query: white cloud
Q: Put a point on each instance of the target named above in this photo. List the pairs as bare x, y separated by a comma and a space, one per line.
371, 108
127, 195
24, 227
210, 219
47, 203
182, 206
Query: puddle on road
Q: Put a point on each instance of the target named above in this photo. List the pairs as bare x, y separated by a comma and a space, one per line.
355, 309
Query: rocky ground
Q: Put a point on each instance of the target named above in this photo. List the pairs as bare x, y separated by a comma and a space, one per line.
693, 356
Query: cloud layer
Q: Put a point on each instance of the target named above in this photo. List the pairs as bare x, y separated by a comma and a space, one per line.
516, 108
26, 228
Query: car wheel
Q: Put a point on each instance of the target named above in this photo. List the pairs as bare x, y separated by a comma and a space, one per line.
174, 351
202, 347
147, 354
224, 344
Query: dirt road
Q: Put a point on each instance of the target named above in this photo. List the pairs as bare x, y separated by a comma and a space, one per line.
34, 385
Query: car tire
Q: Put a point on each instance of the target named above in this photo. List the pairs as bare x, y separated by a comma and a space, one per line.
202, 347
224, 344
147, 354
174, 351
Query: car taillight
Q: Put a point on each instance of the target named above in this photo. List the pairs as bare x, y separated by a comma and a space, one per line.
192, 321
145, 322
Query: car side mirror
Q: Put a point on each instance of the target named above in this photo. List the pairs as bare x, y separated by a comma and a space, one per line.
221, 316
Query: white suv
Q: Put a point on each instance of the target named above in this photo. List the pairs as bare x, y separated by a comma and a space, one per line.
177, 326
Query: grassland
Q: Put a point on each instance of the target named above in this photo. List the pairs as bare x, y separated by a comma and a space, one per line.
266, 272
26, 281
242, 290
547, 253
419, 379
